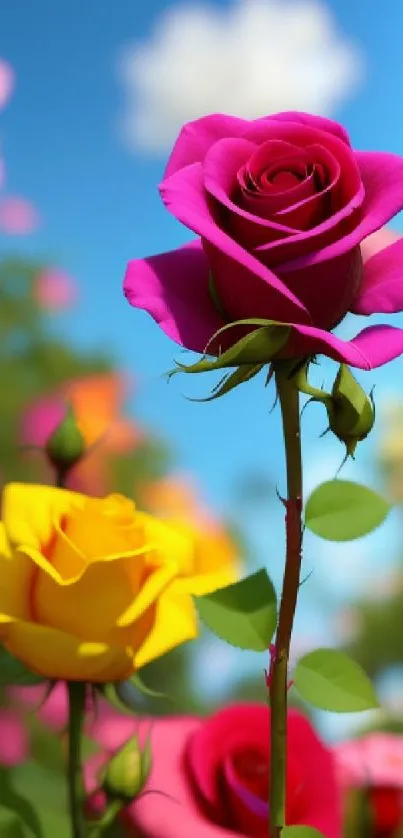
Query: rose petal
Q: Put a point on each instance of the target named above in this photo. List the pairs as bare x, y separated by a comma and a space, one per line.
61, 656
313, 208
220, 170
247, 808
307, 246
321, 122
382, 286
341, 277
184, 195
196, 138
174, 288
371, 348
382, 178
268, 154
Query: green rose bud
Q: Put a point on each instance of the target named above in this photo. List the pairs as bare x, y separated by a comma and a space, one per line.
66, 446
350, 410
127, 772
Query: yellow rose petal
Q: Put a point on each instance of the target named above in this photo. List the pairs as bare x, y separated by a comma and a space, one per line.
105, 526
90, 605
175, 622
206, 583
29, 512
152, 588
54, 654
16, 574
176, 543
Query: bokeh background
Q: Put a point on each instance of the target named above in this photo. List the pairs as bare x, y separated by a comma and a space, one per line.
92, 96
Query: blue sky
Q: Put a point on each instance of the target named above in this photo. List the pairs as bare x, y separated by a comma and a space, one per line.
100, 207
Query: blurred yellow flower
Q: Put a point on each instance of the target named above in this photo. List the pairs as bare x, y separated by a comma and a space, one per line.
92, 589
215, 560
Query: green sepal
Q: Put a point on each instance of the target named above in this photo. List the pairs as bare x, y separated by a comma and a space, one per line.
301, 381
258, 346
142, 688
112, 694
299, 831
215, 298
249, 354
231, 380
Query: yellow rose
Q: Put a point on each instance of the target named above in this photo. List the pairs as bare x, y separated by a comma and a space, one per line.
87, 585
214, 559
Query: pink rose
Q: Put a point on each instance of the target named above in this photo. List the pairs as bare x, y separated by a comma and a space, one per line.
18, 217
374, 763
281, 205
6, 82
213, 775
54, 290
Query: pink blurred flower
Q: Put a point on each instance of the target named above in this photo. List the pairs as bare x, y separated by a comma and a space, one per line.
51, 710
17, 216
97, 401
55, 290
6, 82
376, 760
14, 744
374, 765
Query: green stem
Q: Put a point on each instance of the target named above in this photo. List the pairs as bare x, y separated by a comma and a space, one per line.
76, 693
61, 475
289, 402
108, 819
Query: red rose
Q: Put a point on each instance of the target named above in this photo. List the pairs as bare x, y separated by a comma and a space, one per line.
386, 804
210, 777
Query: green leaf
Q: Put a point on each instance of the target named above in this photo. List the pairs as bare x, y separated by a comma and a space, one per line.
243, 614
330, 680
11, 825
301, 832
13, 672
44, 791
16, 802
340, 510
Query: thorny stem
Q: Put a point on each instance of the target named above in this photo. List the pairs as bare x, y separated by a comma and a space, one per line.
289, 402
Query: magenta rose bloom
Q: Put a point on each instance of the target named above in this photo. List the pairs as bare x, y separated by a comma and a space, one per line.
281, 206
210, 777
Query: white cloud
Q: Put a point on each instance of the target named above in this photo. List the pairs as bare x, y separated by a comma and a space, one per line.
249, 59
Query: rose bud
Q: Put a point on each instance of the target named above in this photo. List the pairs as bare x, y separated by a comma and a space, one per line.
66, 446
351, 411
127, 772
